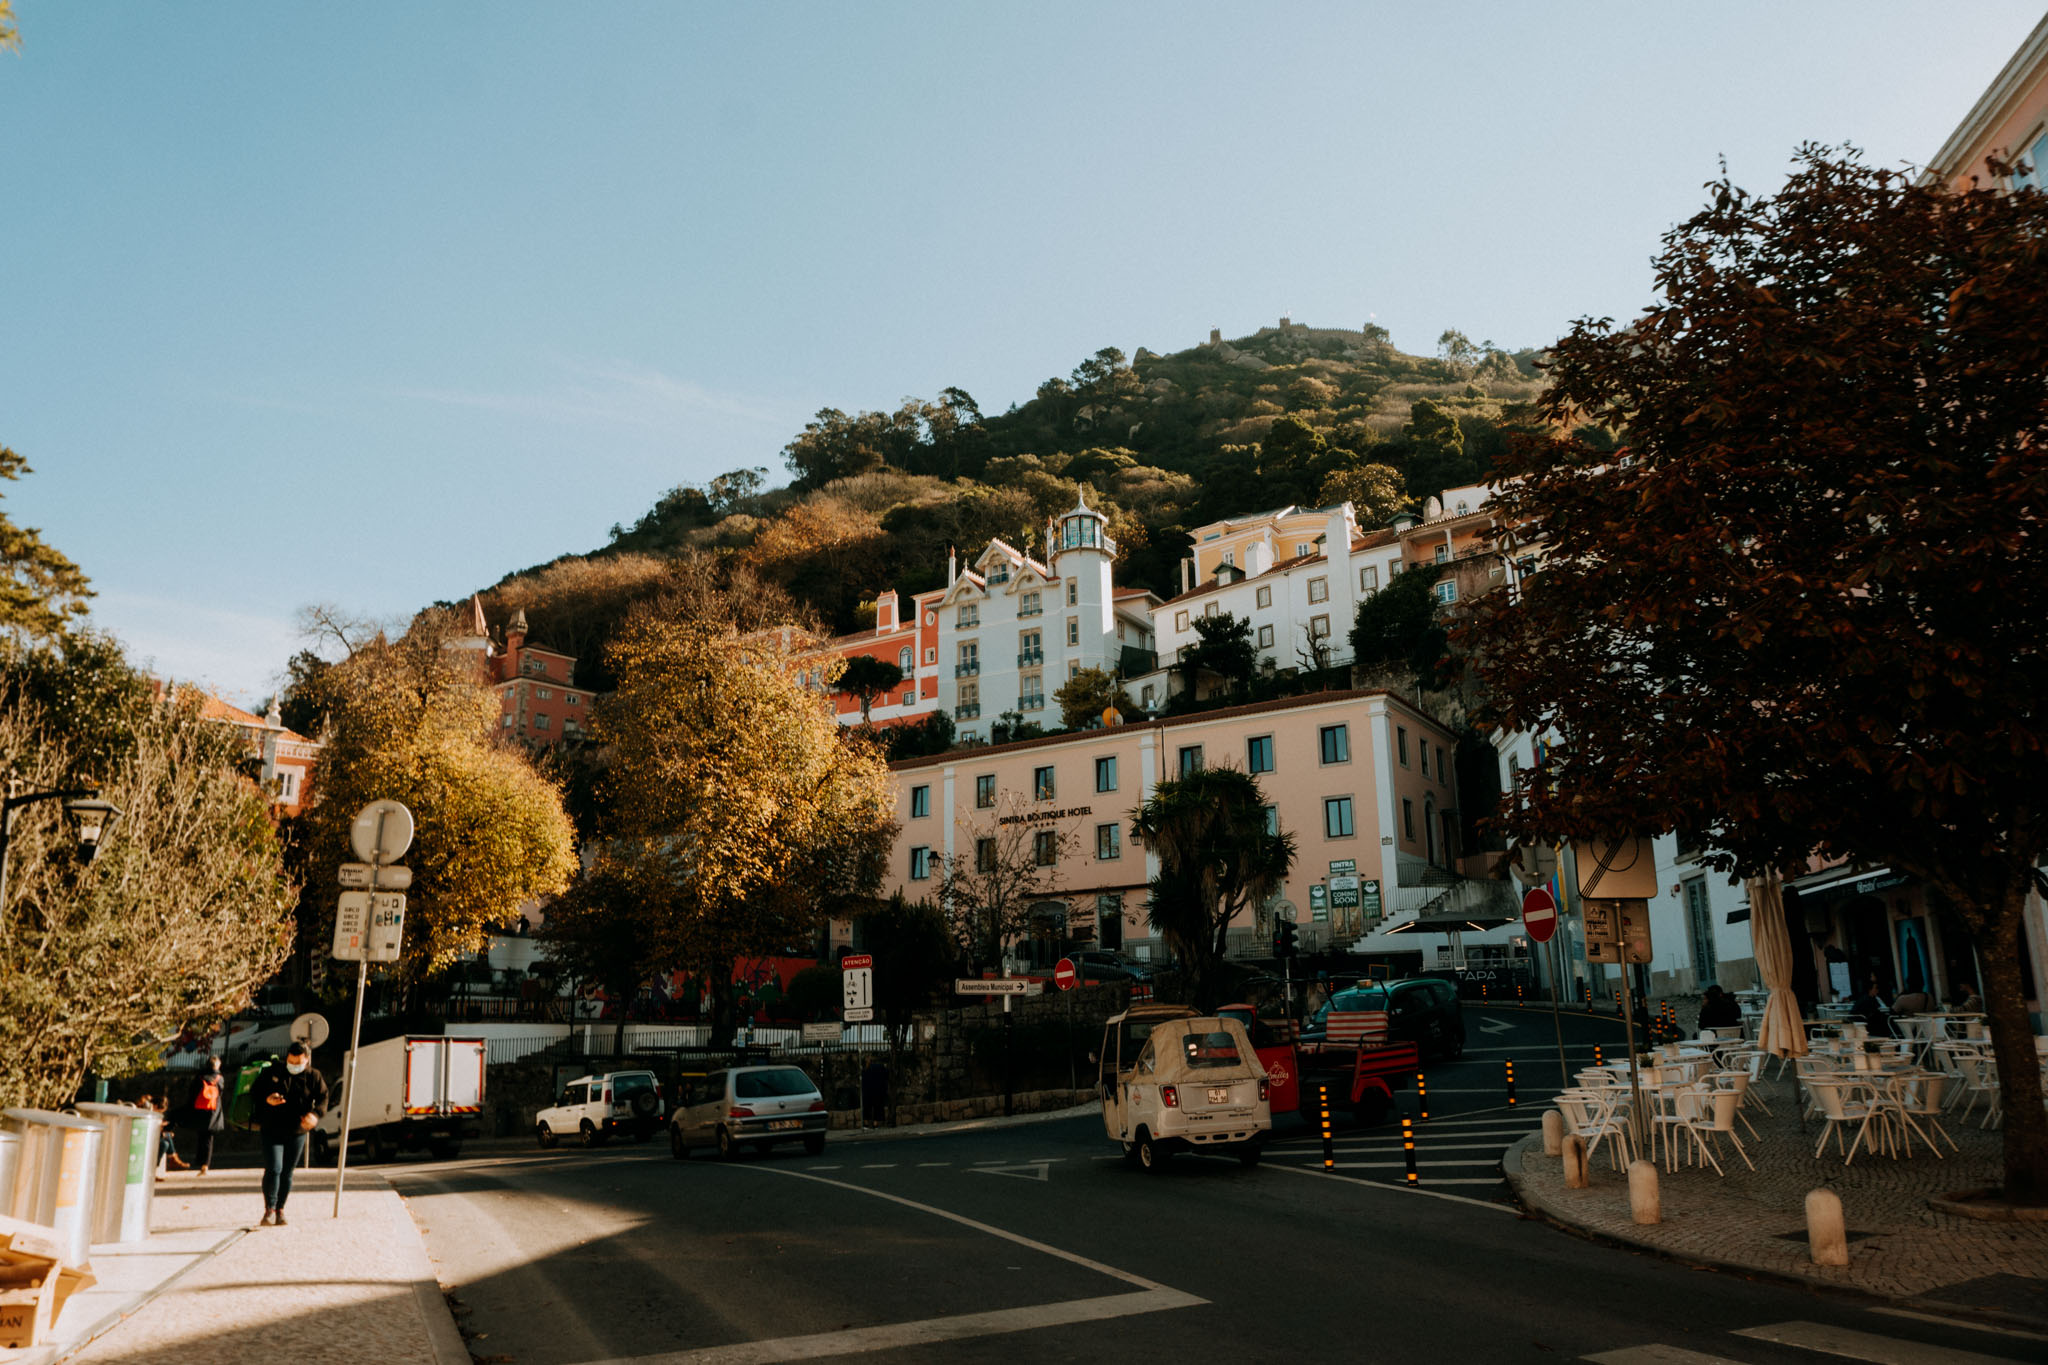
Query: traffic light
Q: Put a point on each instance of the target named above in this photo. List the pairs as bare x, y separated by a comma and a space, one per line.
1283, 938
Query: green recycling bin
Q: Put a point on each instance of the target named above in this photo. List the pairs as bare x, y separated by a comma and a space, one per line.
126, 1189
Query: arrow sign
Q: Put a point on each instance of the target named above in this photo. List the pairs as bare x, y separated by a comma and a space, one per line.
1539, 914
367, 876
966, 986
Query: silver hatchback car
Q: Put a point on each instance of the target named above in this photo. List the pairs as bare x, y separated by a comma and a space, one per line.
747, 1106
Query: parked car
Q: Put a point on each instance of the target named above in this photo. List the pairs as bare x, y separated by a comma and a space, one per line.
1101, 964
748, 1106
1172, 1079
1423, 1011
595, 1107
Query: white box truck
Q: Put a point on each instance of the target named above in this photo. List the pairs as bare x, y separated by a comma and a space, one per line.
413, 1092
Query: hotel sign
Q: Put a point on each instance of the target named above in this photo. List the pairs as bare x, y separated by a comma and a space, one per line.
1044, 817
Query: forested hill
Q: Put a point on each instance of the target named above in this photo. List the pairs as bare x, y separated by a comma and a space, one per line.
1289, 414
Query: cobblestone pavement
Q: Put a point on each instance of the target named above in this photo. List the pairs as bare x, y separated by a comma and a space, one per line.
1900, 1246
319, 1289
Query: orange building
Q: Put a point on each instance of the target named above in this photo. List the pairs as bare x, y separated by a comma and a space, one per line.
539, 701
286, 757
909, 641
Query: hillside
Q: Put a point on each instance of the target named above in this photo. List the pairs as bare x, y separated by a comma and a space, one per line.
1164, 443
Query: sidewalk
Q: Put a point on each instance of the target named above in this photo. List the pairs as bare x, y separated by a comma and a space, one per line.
1900, 1247
209, 1285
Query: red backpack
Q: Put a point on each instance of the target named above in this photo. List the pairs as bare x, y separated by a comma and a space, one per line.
208, 1098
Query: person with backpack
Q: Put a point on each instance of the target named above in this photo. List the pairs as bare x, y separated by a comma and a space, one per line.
206, 1111
287, 1100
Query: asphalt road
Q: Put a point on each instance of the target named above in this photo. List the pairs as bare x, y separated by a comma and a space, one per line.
1035, 1242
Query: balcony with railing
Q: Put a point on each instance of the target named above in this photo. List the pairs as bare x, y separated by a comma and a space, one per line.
967, 711
967, 668
1026, 658
1031, 701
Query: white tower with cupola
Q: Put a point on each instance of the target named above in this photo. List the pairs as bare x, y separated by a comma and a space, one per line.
1083, 559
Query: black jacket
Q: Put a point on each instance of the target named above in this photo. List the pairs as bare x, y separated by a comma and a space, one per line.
216, 1118
305, 1093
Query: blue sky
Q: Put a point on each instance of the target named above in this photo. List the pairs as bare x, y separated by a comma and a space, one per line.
371, 304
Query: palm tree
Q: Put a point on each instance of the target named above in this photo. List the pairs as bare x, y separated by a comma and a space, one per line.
1217, 858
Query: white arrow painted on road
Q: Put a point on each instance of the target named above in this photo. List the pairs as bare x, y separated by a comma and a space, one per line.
1496, 1026
1034, 1170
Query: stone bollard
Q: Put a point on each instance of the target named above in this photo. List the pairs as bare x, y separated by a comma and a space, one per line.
1553, 1132
1575, 1177
1827, 1236
1644, 1204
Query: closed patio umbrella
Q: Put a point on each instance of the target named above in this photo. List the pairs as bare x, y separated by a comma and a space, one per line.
1780, 1033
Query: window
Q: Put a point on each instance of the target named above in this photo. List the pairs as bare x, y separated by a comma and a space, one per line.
907, 698
1337, 818
1423, 755
574, 698
1031, 692
1230, 559
1401, 743
1272, 819
1145, 696
1263, 596
1000, 573
906, 659
1265, 637
1443, 554
985, 855
1408, 819
1108, 843
970, 659
1031, 604
1700, 920
540, 722
1030, 648
968, 616
1319, 627
1212, 609
1073, 630
287, 784
2030, 178
931, 656
1073, 667
507, 718
1045, 848
1105, 774
1368, 579
1447, 591
1336, 743
1041, 784
544, 693
1180, 620
920, 802
920, 864
1319, 590
1302, 549
1190, 759
1258, 754
985, 791
1074, 592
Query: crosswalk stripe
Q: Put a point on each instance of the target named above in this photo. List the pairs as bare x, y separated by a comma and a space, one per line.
1865, 1346
1367, 1149
1969, 1326
1656, 1353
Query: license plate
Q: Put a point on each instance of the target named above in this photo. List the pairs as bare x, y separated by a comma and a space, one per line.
785, 1123
1219, 1094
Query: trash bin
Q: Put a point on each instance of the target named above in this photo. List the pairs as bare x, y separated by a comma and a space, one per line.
55, 1173
10, 1160
126, 1188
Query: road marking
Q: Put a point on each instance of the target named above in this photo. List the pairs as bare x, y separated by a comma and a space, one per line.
1844, 1341
1320, 1174
1030, 1170
824, 1168
902, 1335
1496, 1026
924, 1165
1401, 1165
1957, 1322
1367, 1149
1658, 1354
879, 1166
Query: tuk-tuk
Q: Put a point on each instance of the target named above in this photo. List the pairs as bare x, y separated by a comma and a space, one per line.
1173, 1079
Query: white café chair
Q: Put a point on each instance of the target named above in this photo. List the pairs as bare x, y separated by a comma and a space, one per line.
1594, 1116
1917, 1095
1841, 1105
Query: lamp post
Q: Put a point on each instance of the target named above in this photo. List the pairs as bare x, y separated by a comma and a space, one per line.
88, 812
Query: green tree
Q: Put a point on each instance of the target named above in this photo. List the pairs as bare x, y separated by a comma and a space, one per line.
1397, 627
1089, 694
1375, 491
1803, 612
1225, 649
186, 908
754, 812
1217, 861
1007, 866
410, 720
598, 932
866, 678
42, 593
914, 964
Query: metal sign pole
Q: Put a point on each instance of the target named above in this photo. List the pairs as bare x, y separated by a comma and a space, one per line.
355, 1033
1564, 1079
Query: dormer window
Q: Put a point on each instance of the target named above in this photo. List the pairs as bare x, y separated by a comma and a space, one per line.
1000, 573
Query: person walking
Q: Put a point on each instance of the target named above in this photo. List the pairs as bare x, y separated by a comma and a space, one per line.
288, 1099
206, 1111
874, 1094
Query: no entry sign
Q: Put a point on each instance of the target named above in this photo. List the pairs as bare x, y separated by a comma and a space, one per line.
1063, 974
1539, 914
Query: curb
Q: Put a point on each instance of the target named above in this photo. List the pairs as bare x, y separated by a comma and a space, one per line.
1511, 1166
442, 1334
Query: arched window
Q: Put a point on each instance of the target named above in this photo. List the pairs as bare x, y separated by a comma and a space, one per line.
1429, 827
905, 658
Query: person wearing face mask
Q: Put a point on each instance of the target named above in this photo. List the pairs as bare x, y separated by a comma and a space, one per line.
288, 1099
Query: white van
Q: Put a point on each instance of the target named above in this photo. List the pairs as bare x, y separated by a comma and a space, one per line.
1171, 1078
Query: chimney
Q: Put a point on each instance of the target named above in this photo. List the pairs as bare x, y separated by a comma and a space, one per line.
885, 611
952, 566
515, 635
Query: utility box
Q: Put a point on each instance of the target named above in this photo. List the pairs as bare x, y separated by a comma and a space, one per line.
34, 1282
413, 1092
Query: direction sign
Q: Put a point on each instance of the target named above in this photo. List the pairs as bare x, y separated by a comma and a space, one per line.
857, 986
388, 821
368, 876
996, 986
1539, 914
1063, 974
823, 1033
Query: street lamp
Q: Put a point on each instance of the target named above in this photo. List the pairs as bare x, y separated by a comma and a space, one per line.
89, 814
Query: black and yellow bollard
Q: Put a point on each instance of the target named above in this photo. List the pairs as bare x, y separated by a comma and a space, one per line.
1518, 992
1598, 1060
1482, 990
1323, 1113
1511, 1082
1408, 1150
1421, 1096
